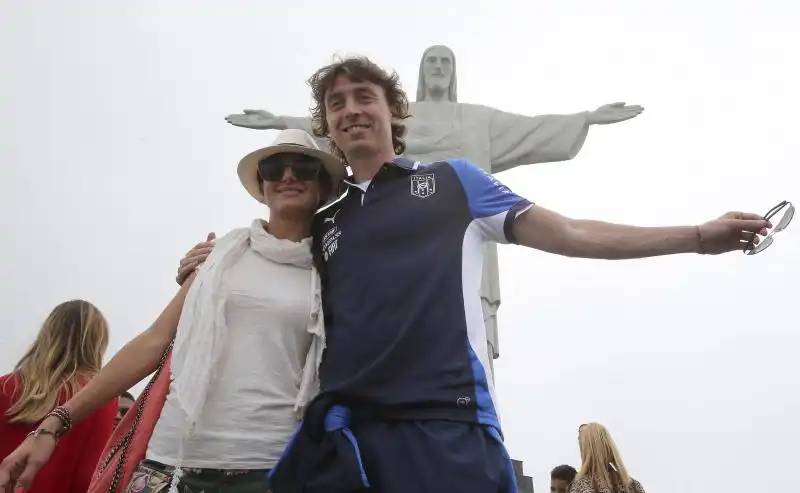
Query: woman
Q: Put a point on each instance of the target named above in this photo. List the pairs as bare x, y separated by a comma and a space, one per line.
602, 469
245, 354
67, 353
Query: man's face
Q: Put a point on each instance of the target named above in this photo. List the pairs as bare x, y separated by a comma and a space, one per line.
559, 486
359, 118
437, 68
125, 405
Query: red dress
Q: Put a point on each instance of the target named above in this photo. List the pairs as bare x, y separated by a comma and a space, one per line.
73, 462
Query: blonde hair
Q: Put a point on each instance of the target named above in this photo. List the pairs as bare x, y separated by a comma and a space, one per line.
600, 459
70, 345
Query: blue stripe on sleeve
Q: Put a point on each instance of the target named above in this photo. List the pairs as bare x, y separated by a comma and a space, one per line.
486, 196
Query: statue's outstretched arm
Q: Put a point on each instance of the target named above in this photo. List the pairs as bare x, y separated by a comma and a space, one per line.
264, 120
614, 113
517, 140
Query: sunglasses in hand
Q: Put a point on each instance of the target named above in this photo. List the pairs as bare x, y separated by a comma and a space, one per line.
783, 212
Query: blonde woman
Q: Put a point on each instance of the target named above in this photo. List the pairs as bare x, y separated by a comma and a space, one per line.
67, 353
602, 469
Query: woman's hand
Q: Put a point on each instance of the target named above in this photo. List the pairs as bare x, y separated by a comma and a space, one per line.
21, 466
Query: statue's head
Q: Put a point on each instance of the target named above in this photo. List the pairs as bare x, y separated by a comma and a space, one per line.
437, 75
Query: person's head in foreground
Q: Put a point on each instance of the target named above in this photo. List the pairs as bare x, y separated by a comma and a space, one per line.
293, 177
360, 107
561, 477
126, 401
601, 462
70, 345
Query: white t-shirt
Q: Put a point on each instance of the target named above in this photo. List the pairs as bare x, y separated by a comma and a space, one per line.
249, 415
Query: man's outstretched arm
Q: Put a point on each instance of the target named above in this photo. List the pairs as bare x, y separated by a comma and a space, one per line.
548, 231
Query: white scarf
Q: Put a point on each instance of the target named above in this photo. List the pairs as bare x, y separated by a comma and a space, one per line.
202, 330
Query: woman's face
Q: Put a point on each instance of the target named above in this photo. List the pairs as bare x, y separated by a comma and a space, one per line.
291, 183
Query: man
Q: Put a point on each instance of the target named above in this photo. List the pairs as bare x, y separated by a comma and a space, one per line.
561, 477
126, 401
405, 404
441, 127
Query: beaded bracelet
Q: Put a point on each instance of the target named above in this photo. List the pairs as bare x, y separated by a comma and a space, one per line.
63, 415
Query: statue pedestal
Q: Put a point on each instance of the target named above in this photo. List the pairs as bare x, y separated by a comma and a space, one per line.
524, 483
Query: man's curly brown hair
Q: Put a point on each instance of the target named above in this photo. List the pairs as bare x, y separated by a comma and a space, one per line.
358, 69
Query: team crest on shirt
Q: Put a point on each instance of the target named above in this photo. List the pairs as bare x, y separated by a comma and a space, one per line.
423, 186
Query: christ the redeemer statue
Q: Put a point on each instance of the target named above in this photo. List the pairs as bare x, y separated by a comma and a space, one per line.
442, 128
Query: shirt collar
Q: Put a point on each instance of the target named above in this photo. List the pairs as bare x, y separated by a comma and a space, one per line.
401, 162
405, 163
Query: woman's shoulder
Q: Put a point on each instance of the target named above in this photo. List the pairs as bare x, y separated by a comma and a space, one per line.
8, 385
582, 484
8, 395
636, 486
10, 381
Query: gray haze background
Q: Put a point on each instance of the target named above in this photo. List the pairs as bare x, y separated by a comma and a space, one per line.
116, 160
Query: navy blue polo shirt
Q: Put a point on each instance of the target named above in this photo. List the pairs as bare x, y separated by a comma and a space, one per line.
401, 268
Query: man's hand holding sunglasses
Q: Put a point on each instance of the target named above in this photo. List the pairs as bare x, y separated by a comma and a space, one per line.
730, 232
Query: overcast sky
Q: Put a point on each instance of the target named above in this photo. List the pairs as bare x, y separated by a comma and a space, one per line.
116, 159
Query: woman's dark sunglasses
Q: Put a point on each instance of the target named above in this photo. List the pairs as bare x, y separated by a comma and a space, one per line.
304, 168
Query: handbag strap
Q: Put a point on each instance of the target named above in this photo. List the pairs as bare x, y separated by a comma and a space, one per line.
124, 442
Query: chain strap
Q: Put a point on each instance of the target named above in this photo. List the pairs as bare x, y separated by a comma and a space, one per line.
125, 441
